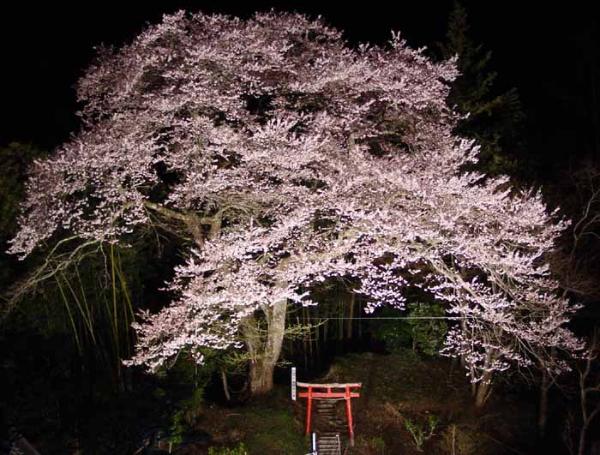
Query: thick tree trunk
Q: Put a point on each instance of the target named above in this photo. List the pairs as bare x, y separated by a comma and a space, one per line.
483, 389
261, 376
264, 350
482, 393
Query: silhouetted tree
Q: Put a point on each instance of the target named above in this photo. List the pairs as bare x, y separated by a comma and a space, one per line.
494, 118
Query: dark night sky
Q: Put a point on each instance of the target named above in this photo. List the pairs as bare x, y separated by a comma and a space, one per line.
549, 52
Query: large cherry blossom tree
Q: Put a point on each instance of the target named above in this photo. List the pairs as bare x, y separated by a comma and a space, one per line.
290, 158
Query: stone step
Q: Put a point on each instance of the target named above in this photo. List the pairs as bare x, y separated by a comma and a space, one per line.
329, 444
330, 425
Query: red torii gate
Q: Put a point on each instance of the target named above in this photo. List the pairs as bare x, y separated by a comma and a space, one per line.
332, 391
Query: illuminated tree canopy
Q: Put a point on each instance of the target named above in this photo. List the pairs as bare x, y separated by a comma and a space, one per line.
289, 158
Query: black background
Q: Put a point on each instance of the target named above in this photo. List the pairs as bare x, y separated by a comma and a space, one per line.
548, 50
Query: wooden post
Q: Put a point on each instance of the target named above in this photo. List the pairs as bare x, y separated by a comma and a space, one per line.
293, 384
308, 410
349, 414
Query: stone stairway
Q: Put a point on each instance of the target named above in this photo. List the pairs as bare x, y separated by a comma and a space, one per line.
329, 444
329, 426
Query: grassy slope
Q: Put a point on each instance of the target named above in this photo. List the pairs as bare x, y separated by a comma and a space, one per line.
396, 388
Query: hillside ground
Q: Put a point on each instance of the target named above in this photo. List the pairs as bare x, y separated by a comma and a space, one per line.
409, 405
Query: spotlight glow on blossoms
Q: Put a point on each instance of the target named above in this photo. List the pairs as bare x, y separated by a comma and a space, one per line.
291, 158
